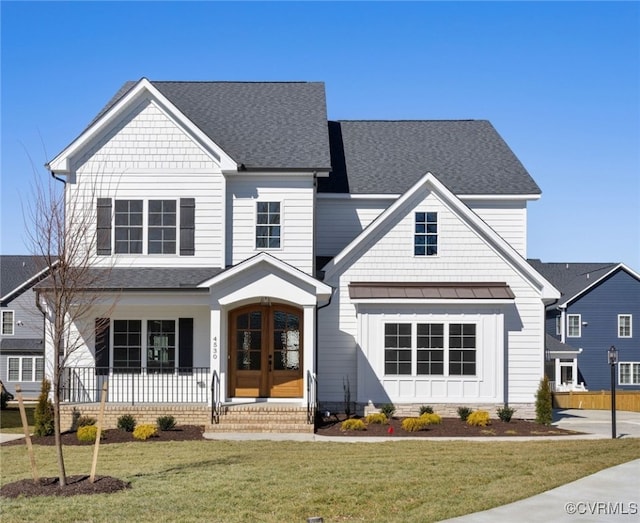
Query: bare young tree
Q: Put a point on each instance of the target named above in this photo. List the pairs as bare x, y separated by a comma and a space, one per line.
61, 229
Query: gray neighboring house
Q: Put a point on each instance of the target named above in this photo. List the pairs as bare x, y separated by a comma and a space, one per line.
21, 335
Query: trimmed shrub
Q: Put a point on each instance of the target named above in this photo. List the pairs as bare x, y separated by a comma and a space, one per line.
143, 432
87, 433
86, 421
426, 409
464, 412
166, 422
479, 418
544, 403
388, 409
377, 418
432, 419
415, 424
505, 413
127, 422
43, 414
352, 424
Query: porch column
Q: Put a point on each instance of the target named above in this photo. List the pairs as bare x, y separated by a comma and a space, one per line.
217, 350
574, 372
558, 376
309, 344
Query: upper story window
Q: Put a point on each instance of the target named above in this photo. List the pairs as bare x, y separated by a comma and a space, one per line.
430, 349
268, 225
558, 325
624, 326
162, 226
425, 240
128, 226
145, 226
7, 323
574, 326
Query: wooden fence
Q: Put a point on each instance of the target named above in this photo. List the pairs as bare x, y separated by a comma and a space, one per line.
597, 400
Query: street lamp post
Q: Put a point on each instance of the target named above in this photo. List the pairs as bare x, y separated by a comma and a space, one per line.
613, 359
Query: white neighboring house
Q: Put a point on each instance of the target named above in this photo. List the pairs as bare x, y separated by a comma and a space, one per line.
261, 253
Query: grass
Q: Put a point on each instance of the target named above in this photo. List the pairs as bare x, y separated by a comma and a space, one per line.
261, 481
10, 422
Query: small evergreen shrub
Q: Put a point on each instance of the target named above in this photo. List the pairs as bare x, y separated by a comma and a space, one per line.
85, 421
479, 418
87, 433
426, 409
166, 422
415, 424
377, 418
388, 409
4, 399
352, 424
464, 412
432, 418
127, 422
143, 432
43, 414
505, 413
544, 403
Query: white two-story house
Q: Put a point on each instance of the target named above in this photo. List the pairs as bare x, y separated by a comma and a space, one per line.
255, 252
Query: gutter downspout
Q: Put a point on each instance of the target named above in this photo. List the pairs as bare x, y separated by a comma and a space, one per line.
315, 355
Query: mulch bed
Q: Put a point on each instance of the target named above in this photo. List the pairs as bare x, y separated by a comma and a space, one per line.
450, 427
51, 487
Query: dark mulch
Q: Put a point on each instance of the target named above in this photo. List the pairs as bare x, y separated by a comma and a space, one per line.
450, 427
51, 487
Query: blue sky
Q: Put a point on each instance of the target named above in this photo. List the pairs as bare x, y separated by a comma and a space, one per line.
559, 81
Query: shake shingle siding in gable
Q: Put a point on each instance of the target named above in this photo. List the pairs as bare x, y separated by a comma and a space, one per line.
388, 157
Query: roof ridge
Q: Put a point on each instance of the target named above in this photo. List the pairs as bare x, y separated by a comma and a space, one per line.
409, 120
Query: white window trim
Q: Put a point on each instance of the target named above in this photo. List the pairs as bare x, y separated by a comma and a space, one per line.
414, 350
630, 316
144, 338
21, 359
631, 364
13, 322
145, 229
266, 199
413, 236
579, 335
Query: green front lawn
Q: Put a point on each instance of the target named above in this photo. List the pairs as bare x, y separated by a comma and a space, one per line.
10, 420
260, 481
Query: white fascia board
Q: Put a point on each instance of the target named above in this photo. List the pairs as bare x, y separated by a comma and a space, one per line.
28, 283
322, 289
61, 163
563, 353
501, 247
417, 301
491, 197
343, 196
620, 266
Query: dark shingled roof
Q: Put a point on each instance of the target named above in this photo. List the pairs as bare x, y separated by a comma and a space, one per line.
571, 278
555, 345
146, 278
22, 345
388, 157
430, 290
277, 125
16, 270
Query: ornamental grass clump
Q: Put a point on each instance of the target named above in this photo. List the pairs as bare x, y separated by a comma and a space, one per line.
352, 424
377, 418
87, 433
143, 432
479, 418
432, 418
415, 424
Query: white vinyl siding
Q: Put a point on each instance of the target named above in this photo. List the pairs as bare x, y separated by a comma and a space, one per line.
507, 218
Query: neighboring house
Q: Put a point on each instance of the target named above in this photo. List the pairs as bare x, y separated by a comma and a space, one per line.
596, 310
22, 334
254, 249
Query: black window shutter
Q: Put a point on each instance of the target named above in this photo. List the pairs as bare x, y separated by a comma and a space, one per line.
103, 227
185, 348
102, 346
187, 226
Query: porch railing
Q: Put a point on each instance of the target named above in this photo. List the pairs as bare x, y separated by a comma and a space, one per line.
312, 397
215, 397
134, 386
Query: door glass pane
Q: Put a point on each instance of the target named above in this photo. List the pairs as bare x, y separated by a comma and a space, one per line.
286, 341
248, 341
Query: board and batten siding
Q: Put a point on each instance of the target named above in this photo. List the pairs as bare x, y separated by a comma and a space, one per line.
296, 197
463, 256
146, 155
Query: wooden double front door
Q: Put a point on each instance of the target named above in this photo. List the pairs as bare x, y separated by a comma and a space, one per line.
265, 352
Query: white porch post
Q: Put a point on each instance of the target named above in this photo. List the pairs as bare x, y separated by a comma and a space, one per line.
309, 344
574, 372
217, 351
558, 376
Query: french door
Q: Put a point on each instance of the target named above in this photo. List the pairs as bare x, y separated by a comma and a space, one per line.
265, 352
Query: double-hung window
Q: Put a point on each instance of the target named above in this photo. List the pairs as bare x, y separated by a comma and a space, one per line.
25, 368
425, 239
629, 373
162, 227
430, 349
268, 225
574, 326
624, 326
128, 226
161, 345
7, 323
127, 345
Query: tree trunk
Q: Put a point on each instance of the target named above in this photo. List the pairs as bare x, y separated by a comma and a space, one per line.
57, 370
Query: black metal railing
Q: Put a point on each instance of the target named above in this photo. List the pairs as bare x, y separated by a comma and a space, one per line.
134, 386
312, 397
215, 398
